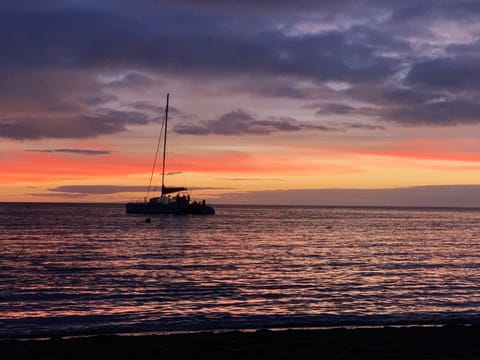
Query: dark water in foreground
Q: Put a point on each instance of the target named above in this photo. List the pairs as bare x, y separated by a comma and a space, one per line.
80, 269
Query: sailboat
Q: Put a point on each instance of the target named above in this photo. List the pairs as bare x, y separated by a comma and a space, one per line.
172, 200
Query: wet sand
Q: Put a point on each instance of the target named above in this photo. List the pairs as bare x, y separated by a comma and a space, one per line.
447, 342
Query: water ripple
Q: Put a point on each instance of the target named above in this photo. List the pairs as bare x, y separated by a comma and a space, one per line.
92, 268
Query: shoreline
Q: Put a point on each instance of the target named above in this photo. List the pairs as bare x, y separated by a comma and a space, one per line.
88, 334
389, 342
300, 326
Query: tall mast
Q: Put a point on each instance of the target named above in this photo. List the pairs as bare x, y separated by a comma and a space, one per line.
165, 146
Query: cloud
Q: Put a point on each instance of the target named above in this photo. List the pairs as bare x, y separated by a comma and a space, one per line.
240, 122
157, 110
73, 151
440, 112
148, 106
344, 109
100, 99
446, 74
179, 40
98, 189
400, 60
363, 126
249, 5
50, 195
82, 126
418, 104
131, 80
47, 90
323, 10
420, 196
84, 190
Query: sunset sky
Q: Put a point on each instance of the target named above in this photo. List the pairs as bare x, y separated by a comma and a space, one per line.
275, 101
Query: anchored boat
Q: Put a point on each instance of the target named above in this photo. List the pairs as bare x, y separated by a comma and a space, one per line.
172, 200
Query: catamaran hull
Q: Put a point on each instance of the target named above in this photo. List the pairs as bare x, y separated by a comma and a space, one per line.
134, 208
200, 209
168, 209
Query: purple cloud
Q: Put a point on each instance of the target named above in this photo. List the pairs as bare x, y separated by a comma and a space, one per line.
84, 190
240, 122
83, 126
73, 151
394, 57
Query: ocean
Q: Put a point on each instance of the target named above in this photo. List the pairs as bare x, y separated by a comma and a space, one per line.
79, 269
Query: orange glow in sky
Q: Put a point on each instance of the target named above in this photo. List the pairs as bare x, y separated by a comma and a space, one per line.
272, 98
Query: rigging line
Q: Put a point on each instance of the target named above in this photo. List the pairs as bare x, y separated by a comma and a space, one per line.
155, 160
165, 145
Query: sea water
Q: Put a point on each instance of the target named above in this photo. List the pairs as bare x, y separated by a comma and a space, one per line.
70, 269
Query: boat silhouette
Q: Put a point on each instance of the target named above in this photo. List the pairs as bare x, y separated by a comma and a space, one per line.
178, 204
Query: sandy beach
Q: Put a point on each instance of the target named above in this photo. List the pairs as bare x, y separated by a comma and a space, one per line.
446, 342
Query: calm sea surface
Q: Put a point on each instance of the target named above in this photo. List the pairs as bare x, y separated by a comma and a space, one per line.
89, 269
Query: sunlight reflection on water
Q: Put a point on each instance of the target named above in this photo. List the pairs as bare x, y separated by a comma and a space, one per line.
91, 266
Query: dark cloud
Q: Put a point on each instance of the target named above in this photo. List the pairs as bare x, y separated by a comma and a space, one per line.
401, 9
441, 112
441, 92
147, 106
462, 52
250, 5
158, 110
426, 97
347, 111
53, 195
83, 126
446, 74
415, 107
84, 190
412, 11
100, 99
98, 189
363, 126
240, 122
181, 41
288, 87
335, 108
42, 90
387, 53
387, 97
344, 109
73, 151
